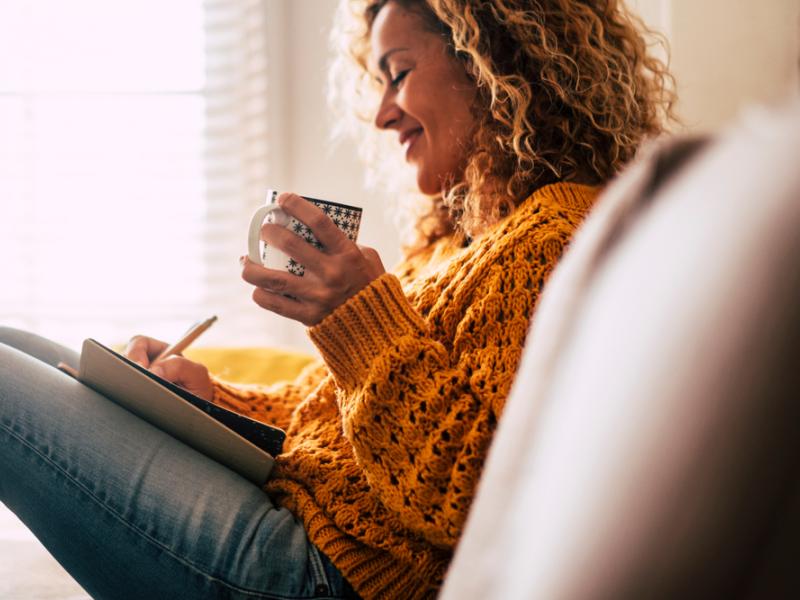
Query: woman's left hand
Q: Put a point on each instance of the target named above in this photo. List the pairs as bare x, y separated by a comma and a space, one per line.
331, 277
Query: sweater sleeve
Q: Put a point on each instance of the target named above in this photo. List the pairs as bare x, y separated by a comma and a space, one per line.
273, 404
420, 412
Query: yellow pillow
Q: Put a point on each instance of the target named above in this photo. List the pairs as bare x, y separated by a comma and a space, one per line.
250, 365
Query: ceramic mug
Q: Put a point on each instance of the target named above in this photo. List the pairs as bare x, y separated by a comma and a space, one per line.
346, 218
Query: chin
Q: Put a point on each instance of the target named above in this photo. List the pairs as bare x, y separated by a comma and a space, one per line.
429, 190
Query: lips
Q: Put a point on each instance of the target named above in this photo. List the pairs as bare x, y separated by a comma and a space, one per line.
407, 139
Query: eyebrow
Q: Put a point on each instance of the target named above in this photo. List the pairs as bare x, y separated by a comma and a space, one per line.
382, 62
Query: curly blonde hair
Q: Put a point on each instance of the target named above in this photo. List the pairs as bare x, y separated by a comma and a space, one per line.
566, 92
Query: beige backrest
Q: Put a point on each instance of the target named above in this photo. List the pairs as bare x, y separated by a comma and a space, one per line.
651, 443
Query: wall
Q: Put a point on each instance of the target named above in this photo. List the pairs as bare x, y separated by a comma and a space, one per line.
728, 54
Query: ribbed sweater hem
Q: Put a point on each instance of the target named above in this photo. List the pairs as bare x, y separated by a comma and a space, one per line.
362, 328
575, 196
372, 573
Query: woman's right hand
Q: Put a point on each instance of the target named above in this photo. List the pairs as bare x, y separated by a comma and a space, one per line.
181, 371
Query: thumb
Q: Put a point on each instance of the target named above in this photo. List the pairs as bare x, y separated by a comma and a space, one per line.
373, 259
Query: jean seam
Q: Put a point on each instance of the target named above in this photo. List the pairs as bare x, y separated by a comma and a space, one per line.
157, 543
318, 569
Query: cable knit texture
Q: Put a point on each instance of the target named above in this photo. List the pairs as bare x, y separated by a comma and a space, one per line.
387, 435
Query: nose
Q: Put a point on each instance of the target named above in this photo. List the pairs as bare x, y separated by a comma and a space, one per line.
389, 113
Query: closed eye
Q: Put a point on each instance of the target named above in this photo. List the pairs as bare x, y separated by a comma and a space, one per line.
400, 76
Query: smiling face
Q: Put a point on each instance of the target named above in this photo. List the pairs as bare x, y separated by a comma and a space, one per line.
426, 95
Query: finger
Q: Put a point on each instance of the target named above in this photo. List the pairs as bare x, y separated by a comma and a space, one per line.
291, 244
142, 349
179, 370
282, 282
372, 256
187, 374
286, 307
324, 229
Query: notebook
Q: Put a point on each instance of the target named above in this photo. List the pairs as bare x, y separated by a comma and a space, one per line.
238, 442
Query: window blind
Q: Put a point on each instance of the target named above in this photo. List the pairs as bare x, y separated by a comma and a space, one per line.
133, 146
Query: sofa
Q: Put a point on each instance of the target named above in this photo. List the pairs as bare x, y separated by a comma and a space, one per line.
650, 445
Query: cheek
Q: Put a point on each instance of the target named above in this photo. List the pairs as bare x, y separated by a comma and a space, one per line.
454, 130
461, 111
452, 118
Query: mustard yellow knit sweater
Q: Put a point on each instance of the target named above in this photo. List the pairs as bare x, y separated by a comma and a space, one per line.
386, 436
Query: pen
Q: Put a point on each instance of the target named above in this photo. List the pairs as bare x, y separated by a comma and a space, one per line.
194, 332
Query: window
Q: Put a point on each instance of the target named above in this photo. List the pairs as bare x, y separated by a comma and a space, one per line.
133, 146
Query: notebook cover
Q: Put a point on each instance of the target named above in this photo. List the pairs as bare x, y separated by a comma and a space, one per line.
240, 443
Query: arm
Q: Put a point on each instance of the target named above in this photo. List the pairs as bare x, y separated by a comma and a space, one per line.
273, 404
420, 407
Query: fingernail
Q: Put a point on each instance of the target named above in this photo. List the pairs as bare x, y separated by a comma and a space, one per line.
157, 371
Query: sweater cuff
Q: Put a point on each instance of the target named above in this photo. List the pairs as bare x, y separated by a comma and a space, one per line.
362, 329
225, 394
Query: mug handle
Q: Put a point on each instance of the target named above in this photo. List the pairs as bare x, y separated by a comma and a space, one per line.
254, 235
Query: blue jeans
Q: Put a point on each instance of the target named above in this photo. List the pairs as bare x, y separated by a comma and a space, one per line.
128, 510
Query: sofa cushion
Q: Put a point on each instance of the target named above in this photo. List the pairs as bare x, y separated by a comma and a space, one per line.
250, 365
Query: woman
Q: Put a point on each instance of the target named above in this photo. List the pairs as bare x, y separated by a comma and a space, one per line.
511, 115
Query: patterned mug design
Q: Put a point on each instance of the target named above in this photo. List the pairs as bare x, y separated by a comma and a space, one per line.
346, 218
